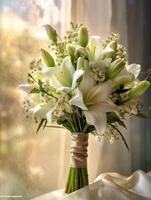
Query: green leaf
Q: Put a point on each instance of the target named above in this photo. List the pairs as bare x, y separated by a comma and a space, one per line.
31, 77
40, 125
120, 91
45, 124
113, 117
35, 90
121, 123
124, 140
40, 83
142, 115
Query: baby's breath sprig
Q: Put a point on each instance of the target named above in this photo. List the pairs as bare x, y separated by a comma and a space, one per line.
110, 38
120, 51
72, 34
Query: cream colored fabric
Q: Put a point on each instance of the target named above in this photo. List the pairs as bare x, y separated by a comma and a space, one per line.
78, 150
109, 186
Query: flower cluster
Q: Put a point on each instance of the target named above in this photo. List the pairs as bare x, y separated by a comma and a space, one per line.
84, 84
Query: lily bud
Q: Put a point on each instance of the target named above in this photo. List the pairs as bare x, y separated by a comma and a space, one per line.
71, 51
121, 80
139, 89
80, 63
51, 32
112, 45
83, 36
115, 68
47, 59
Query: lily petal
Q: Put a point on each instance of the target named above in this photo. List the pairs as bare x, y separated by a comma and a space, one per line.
107, 52
77, 100
95, 47
134, 69
103, 107
86, 84
66, 72
35, 99
64, 89
98, 93
96, 42
40, 111
48, 72
76, 76
97, 119
49, 115
27, 87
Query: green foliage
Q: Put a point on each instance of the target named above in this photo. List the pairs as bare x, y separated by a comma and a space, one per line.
75, 122
114, 118
35, 90
144, 113
43, 123
123, 138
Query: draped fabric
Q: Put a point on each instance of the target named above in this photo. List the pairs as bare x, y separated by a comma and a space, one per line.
109, 186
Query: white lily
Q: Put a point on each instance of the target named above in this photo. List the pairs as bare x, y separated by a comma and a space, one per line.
39, 109
96, 49
25, 90
63, 76
127, 76
42, 111
95, 102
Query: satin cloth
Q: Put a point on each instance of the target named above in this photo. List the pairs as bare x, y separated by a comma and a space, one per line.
109, 186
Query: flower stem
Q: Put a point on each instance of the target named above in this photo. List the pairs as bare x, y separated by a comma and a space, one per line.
77, 178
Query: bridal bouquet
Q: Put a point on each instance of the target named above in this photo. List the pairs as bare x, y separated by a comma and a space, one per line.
85, 84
